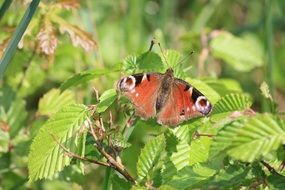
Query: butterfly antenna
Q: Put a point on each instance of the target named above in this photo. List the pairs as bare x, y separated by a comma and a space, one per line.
184, 58
151, 44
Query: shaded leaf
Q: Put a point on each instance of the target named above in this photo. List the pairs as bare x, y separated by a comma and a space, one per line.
54, 100
4, 140
276, 182
46, 157
191, 177
83, 77
106, 100
119, 183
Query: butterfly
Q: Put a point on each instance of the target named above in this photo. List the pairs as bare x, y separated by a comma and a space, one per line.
161, 95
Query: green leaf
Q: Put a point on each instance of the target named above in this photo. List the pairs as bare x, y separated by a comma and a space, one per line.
106, 100
191, 177
83, 77
249, 139
241, 54
232, 102
12, 111
150, 61
17, 35
232, 177
258, 137
177, 160
54, 100
170, 59
276, 182
149, 156
224, 86
199, 150
46, 157
210, 93
4, 140
119, 183
223, 140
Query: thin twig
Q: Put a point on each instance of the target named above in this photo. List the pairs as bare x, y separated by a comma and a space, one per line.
270, 168
73, 155
117, 166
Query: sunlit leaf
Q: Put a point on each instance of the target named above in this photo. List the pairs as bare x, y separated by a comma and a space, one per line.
149, 156
240, 53
52, 101
199, 150
46, 157
106, 100
232, 102
259, 136
176, 161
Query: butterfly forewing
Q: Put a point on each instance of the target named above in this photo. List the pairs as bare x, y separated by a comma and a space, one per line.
142, 90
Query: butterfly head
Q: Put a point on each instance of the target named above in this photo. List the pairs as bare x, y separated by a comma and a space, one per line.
203, 105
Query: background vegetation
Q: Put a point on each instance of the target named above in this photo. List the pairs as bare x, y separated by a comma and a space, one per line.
59, 110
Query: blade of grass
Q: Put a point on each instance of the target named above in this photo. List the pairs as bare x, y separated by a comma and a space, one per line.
12, 46
6, 4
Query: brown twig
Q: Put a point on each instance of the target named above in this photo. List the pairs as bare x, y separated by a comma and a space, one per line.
73, 155
113, 163
270, 168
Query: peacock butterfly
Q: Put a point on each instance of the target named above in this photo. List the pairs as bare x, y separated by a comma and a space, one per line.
169, 99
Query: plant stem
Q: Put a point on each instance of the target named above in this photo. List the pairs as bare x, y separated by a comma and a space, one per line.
270, 51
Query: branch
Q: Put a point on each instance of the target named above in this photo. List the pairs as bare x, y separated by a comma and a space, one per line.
270, 168
113, 163
73, 155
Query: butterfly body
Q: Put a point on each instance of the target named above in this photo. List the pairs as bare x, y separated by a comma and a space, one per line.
169, 99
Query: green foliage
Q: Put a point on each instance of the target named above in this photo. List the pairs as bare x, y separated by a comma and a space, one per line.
52, 101
106, 99
232, 102
149, 156
254, 137
54, 127
46, 156
83, 77
241, 54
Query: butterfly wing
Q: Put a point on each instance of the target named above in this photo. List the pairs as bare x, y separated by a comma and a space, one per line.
142, 90
184, 102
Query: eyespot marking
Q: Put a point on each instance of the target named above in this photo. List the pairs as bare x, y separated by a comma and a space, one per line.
203, 105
